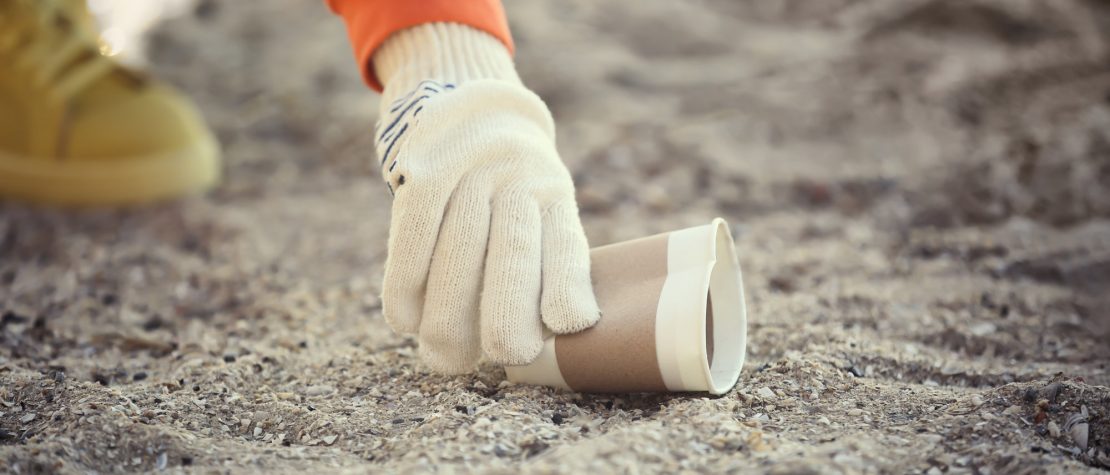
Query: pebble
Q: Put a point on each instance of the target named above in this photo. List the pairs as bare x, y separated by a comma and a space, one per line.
983, 329
845, 458
330, 439
30, 416
765, 393
976, 400
1053, 429
932, 438
319, 390
1051, 391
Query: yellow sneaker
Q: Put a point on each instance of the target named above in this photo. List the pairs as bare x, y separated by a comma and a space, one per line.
78, 129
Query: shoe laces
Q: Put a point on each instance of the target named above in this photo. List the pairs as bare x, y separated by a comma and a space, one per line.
51, 47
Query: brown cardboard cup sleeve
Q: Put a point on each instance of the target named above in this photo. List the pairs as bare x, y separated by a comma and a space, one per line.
673, 319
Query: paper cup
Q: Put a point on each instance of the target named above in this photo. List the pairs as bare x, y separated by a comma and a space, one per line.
673, 319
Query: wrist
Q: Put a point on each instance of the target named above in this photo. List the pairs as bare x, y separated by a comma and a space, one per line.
445, 52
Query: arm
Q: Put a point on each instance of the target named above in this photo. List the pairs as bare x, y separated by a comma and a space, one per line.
486, 248
371, 22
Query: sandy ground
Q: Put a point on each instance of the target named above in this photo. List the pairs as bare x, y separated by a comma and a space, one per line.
920, 192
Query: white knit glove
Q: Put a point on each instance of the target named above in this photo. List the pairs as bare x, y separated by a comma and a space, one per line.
485, 244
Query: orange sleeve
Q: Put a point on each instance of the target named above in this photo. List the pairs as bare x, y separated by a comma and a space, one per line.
370, 22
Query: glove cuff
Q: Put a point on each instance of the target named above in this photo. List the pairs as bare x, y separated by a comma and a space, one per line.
444, 52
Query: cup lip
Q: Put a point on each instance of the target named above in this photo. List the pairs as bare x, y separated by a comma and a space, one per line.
725, 276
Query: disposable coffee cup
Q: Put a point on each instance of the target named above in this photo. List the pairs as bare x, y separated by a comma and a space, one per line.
673, 319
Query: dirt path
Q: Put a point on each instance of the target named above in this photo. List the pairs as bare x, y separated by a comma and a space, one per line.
920, 192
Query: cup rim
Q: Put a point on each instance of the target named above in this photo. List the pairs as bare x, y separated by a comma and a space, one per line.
730, 316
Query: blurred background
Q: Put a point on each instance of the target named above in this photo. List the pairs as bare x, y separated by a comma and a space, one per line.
920, 192
1001, 104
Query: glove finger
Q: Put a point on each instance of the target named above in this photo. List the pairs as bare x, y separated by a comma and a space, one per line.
449, 334
568, 304
512, 333
413, 231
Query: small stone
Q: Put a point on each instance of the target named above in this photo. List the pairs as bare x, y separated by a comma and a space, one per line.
330, 439
1053, 429
983, 329
976, 400
931, 438
30, 416
319, 390
161, 461
1051, 391
11, 317
765, 393
846, 458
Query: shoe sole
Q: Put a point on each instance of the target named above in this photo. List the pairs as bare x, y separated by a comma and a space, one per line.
111, 182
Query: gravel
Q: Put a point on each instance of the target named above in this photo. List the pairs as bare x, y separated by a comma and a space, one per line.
918, 191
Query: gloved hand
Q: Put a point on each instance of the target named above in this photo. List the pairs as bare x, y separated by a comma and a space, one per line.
485, 244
